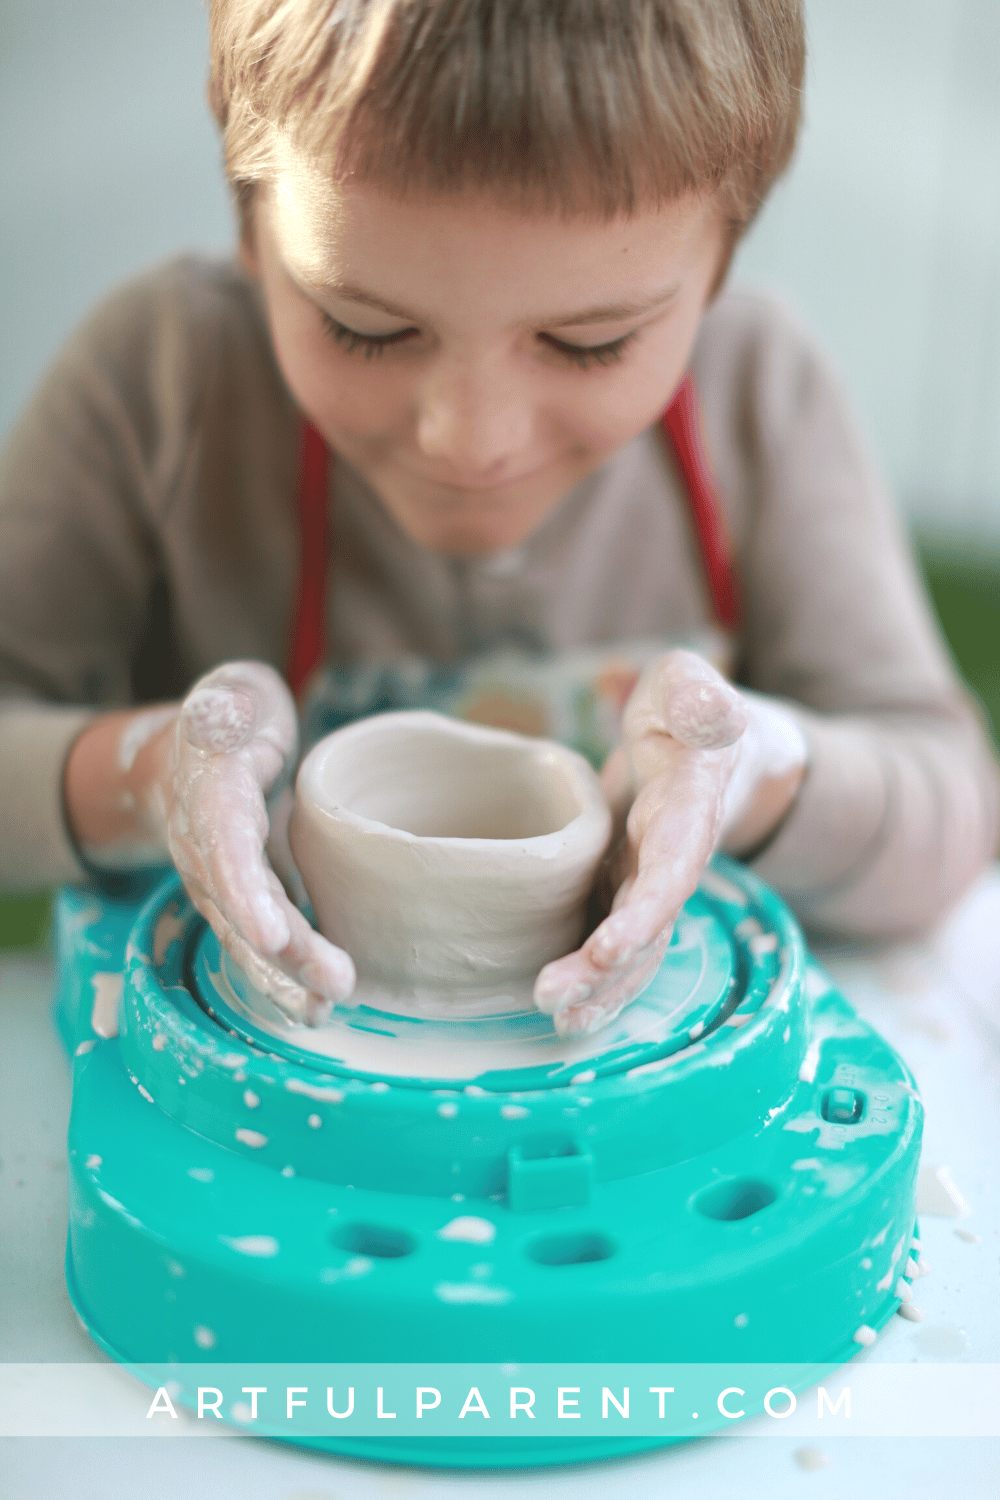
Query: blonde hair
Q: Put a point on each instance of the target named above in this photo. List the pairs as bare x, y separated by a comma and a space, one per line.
590, 107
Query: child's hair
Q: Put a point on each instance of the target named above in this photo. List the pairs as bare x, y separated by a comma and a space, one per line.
590, 107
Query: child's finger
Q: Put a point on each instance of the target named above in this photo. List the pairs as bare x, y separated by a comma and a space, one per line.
581, 979
241, 888
671, 834
565, 981
316, 962
304, 956
295, 1000
583, 1018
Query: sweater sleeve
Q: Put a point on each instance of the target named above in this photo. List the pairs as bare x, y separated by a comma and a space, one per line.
900, 806
81, 476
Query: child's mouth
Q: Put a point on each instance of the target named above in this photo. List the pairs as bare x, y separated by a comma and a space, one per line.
479, 485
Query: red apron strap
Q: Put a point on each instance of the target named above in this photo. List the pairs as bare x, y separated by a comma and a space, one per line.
309, 631
681, 423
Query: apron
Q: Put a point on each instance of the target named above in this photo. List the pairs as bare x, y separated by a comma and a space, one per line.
577, 697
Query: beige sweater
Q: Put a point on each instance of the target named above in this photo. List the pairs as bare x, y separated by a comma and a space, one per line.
148, 532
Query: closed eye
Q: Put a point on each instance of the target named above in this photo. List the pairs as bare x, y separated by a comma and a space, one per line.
368, 344
584, 355
371, 345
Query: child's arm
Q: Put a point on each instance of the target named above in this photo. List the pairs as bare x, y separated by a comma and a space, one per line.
77, 563
900, 807
147, 532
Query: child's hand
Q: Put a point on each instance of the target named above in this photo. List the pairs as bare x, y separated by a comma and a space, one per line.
699, 766
195, 779
236, 733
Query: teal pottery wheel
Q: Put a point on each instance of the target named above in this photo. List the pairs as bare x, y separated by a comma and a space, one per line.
727, 1173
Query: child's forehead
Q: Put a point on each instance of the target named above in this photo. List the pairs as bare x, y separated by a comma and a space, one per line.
327, 232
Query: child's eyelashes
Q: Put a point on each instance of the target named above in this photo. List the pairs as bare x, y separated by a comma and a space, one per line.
584, 356
370, 345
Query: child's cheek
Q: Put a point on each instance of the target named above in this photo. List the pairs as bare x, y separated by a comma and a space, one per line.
337, 391
610, 412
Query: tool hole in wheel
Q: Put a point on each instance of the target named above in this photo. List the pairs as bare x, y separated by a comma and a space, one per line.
374, 1240
570, 1249
738, 1198
842, 1106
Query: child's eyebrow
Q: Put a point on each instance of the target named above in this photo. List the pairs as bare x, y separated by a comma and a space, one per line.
614, 312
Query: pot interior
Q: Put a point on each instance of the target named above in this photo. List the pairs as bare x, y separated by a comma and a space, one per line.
436, 784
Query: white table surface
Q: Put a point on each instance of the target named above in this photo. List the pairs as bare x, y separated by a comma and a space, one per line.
938, 1004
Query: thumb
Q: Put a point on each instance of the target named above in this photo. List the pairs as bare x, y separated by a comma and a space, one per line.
680, 695
700, 708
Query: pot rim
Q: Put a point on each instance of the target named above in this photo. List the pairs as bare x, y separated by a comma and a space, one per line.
583, 780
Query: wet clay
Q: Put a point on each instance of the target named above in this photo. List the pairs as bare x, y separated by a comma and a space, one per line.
447, 854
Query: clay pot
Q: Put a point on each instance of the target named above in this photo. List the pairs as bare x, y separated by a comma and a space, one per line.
440, 853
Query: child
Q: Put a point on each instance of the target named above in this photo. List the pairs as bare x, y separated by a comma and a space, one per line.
442, 439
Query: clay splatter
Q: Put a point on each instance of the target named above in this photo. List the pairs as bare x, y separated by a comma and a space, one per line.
263, 1245
471, 1291
807, 1068
169, 928
469, 1229
911, 1313
322, 1092
723, 890
107, 997
358, 1265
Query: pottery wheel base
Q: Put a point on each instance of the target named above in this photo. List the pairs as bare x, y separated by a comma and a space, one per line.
728, 1175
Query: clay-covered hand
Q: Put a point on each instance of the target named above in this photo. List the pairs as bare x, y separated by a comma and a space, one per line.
203, 780
700, 766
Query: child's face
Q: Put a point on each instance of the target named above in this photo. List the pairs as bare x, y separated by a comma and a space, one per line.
441, 344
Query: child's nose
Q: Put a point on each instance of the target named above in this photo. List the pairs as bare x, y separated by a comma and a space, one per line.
471, 422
